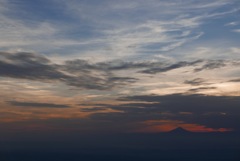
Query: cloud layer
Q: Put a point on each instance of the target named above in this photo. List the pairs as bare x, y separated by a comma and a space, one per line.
99, 76
210, 111
76, 73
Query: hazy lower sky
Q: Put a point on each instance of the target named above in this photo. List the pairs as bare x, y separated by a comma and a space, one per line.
110, 66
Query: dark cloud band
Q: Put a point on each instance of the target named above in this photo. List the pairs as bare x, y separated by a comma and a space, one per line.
37, 105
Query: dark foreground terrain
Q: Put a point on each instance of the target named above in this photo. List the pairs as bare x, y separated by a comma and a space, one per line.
125, 147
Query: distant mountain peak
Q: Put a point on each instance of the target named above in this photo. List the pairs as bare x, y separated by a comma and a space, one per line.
179, 130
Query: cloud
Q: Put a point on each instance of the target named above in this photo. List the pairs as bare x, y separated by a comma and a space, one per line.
211, 64
125, 32
127, 65
146, 67
235, 80
200, 89
118, 30
32, 32
177, 65
234, 23
37, 105
28, 66
236, 30
106, 75
171, 107
195, 82
78, 73
94, 109
192, 103
235, 50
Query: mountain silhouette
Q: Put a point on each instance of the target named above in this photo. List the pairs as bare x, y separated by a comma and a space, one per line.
179, 130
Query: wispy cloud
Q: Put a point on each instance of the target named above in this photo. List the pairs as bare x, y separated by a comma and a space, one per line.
200, 89
37, 104
236, 30
235, 50
234, 23
118, 30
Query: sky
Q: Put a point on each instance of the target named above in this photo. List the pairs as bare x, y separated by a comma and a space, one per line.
114, 66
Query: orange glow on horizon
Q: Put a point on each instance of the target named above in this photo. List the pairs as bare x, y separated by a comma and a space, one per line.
201, 128
154, 126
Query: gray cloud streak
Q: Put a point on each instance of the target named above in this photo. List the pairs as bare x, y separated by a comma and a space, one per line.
200, 89
195, 82
37, 104
235, 80
211, 64
177, 65
78, 73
